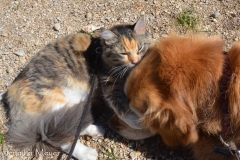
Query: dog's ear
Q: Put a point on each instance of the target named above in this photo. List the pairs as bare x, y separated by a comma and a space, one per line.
234, 86
174, 121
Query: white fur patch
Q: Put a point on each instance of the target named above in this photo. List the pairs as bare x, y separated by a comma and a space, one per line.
94, 131
81, 152
57, 107
74, 96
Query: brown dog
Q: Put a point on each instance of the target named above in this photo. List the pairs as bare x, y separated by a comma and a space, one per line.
176, 93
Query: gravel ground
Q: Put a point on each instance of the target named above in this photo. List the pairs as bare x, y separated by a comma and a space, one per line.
27, 25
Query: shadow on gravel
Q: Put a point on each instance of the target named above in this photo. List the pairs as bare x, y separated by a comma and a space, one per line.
151, 148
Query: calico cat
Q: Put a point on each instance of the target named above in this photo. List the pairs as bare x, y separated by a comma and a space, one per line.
47, 98
123, 47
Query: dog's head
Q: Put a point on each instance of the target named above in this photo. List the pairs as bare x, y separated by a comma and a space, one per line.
173, 86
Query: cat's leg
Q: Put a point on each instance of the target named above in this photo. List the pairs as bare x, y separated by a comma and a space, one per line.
132, 120
127, 131
118, 101
81, 151
94, 131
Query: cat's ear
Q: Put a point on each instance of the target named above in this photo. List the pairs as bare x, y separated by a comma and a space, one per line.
108, 36
140, 27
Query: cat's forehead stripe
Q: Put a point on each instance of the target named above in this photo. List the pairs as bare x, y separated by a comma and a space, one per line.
129, 45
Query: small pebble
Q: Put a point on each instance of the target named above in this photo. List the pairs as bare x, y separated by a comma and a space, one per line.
3, 34
142, 13
100, 5
10, 46
8, 84
233, 14
214, 20
100, 140
88, 15
57, 27
164, 35
5, 53
20, 53
9, 70
215, 15
133, 155
138, 153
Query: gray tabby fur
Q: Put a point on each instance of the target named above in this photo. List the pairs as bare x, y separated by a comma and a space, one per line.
46, 132
123, 47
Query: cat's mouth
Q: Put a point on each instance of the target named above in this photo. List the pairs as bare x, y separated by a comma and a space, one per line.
136, 64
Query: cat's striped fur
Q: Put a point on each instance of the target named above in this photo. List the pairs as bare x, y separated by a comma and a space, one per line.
123, 47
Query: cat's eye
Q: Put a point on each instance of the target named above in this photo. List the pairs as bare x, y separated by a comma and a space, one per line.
140, 48
124, 53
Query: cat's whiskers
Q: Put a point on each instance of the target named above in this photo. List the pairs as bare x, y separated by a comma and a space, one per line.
116, 80
124, 71
120, 73
115, 72
116, 69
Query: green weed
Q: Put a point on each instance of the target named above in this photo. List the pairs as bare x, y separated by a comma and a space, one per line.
188, 20
109, 153
17, 7
2, 141
90, 34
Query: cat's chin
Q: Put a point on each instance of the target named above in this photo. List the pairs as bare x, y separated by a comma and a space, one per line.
132, 66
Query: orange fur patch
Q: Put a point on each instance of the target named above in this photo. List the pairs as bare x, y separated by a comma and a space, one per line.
52, 98
129, 45
76, 83
24, 97
81, 42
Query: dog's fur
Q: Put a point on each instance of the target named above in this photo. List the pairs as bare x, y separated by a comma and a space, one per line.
175, 92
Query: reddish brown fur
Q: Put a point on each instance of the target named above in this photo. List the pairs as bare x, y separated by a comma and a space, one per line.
234, 88
176, 90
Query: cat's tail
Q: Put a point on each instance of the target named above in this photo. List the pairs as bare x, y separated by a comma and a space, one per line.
46, 132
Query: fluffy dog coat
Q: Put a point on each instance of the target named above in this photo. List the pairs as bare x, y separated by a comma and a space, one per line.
175, 92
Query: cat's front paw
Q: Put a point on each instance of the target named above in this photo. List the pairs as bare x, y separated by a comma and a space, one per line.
91, 154
94, 131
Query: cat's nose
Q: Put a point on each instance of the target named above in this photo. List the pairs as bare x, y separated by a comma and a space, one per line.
135, 61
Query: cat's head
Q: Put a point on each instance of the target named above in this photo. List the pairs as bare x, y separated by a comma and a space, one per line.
125, 44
